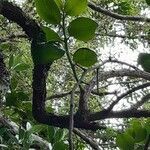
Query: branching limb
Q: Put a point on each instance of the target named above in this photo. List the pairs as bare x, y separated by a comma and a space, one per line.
103, 76
127, 93
144, 37
128, 113
88, 140
117, 16
61, 95
141, 102
34, 32
15, 14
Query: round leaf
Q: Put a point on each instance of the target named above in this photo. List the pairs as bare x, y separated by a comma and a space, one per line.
75, 7
82, 28
140, 132
144, 61
45, 53
125, 142
48, 11
51, 35
85, 57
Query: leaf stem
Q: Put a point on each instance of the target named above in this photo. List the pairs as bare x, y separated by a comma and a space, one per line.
67, 49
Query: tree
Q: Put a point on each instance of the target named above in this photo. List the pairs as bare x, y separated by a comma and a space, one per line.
90, 102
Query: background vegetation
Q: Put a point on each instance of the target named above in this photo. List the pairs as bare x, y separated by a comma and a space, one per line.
91, 59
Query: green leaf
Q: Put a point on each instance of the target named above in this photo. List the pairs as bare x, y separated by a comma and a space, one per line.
60, 146
5, 45
148, 2
26, 106
125, 142
147, 126
59, 4
75, 7
13, 83
45, 52
50, 130
11, 61
16, 98
85, 57
48, 11
37, 128
144, 61
59, 135
51, 35
22, 96
21, 67
82, 29
21, 133
2, 130
12, 99
140, 132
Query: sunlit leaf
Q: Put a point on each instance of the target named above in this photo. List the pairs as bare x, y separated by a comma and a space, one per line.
59, 135
125, 142
21, 67
82, 29
85, 57
140, 132
59, 4
48, 11
37, 128
75, 7
51, 35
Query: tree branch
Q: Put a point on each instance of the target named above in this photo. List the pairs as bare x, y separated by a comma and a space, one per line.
144, 37
103, 76
88, 140
15, 14
117, 16
128, 113
141, 102
61, 95
129, 92
34, 32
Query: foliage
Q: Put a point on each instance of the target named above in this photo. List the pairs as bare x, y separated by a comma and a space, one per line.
76, 44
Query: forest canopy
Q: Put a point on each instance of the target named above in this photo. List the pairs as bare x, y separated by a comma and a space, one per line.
75, 74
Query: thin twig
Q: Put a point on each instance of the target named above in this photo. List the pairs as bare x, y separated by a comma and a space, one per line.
141, 102
127, 93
